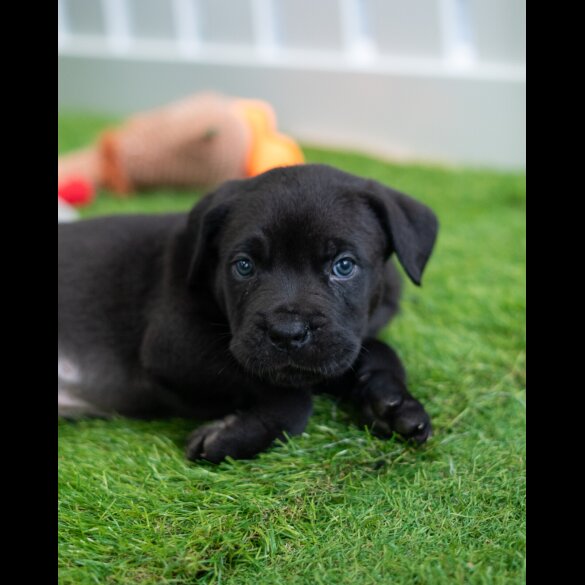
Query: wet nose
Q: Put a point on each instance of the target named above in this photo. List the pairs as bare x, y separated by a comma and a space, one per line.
289, 335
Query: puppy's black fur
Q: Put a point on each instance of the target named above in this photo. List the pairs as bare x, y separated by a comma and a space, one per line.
272, 288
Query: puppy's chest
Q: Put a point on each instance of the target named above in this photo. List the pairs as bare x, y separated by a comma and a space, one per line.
193, 362
209, 391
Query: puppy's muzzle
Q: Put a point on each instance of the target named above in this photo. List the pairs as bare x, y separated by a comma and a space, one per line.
288, 335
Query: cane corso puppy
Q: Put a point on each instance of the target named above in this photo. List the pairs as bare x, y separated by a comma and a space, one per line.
269, 290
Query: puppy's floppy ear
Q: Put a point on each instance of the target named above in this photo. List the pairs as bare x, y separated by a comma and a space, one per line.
410, 226
204, 225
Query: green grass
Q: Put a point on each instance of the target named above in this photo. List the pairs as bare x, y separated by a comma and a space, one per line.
336, 506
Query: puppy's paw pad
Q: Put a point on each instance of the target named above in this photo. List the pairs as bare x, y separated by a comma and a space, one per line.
210, 441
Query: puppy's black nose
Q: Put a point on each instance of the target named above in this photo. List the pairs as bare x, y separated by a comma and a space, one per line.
289, 335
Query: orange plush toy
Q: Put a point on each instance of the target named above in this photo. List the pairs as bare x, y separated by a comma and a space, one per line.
199, 141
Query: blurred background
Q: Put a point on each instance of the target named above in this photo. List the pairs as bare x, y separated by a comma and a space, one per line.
424, 80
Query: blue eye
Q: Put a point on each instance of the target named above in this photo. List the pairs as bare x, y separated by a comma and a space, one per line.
244, 267
344, 267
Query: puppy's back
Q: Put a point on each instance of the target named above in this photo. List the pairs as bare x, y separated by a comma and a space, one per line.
108, 270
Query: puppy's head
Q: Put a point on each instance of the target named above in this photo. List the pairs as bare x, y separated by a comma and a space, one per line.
296, 259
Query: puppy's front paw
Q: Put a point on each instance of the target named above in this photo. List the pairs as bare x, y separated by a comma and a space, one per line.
240, 436
214, 441
389, 408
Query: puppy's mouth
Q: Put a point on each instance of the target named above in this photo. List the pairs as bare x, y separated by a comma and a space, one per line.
328, 353
295, 375
294, 371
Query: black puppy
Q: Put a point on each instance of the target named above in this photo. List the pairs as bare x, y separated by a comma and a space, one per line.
270, 289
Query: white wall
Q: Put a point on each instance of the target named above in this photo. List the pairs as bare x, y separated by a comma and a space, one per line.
438, 80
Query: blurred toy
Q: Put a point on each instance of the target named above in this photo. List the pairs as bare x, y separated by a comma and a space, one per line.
76, 191
199, 141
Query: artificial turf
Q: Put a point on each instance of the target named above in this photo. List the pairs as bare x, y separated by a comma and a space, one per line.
335, 505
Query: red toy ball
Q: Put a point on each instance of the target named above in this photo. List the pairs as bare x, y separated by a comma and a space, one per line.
77, 192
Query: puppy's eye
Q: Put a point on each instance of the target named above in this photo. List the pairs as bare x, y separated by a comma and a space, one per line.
244, 267
344, 267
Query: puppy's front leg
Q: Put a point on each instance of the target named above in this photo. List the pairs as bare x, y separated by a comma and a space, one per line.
380, 392
245, 434
376, 385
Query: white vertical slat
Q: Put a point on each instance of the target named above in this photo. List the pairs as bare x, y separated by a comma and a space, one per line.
63, 23
117, 22
357, 40
457, 34
185, 15
264, 22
